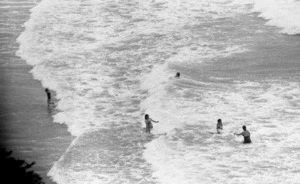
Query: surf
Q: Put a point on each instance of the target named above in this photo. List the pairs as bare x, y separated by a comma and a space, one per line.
282, 14
112, 62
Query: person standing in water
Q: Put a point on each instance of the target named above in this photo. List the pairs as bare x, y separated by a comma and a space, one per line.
49, 100
246, 135
148, 122
219, 126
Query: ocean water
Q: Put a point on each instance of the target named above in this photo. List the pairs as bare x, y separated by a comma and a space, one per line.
111, 62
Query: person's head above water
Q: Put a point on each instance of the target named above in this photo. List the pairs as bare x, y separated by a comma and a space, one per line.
244, 127
46, 89
146, 116
219, 121
177, 75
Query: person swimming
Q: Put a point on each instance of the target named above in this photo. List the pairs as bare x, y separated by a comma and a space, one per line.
246, 135
219, 126
177, 75
148, 122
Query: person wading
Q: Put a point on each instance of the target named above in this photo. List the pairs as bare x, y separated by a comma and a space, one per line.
148, 122
246, 135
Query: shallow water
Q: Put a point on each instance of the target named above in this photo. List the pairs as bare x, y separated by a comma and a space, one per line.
110, 62
26, 126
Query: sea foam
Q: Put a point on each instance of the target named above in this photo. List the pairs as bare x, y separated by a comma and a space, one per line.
110, 63
284, 14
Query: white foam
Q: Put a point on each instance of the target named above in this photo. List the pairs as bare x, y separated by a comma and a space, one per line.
259, 106
86, 58
284, 14
65, 60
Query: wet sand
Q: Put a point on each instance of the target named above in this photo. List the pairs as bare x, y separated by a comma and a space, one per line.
26, 124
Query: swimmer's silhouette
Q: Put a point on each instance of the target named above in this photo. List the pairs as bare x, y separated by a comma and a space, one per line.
49, 100
246, 135
148, 122
219, 126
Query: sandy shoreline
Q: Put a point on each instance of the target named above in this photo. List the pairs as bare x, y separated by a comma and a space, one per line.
26, 122
27, 126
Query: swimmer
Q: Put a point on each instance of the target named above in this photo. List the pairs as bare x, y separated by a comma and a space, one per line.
148, 122
219, 126
177, 75
49, 101
246, 135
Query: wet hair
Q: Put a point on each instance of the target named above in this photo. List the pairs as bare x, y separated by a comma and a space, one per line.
177, 74
146, 116
219, 120
244, 127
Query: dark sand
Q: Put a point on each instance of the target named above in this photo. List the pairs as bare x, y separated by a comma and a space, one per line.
26, 121
26, 125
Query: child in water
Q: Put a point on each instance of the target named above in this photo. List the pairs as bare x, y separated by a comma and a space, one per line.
219, 126
148, 122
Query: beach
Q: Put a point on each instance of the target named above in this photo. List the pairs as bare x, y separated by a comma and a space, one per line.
108, 63
27, 126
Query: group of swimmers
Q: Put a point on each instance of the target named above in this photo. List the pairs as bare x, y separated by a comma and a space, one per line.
245, 133
148, 120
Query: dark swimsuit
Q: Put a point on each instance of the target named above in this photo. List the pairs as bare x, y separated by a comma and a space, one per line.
48, 95
247, 139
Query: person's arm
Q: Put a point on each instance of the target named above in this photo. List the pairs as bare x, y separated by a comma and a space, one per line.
154, 121
238, 134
